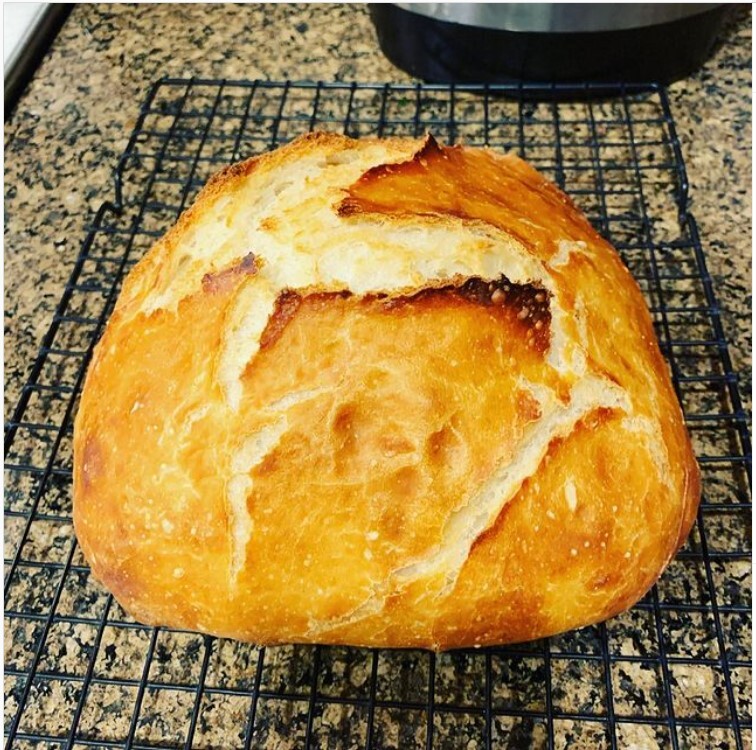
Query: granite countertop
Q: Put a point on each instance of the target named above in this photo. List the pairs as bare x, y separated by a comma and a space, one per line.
62, 145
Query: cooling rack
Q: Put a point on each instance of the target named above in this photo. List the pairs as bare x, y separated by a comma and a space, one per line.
674, 671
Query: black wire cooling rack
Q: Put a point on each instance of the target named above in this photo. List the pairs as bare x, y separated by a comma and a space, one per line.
673, 672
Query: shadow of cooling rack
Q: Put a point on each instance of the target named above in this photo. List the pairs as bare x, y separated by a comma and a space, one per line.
674, 671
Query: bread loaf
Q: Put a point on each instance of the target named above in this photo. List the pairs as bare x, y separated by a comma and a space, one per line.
380, 393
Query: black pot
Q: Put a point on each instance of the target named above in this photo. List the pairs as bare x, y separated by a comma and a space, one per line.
547, 42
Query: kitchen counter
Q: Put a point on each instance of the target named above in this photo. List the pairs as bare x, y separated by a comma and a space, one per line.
74, 121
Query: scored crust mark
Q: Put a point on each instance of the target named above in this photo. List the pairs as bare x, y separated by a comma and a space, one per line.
352, 204
250, 455
482, 508
528, 305
469, 183
442, 566
352, 260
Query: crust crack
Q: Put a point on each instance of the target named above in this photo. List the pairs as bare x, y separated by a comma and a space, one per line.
467, 523
252, 453
442, 566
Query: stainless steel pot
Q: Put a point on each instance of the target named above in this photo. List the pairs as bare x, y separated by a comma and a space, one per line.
503, 42
558, 17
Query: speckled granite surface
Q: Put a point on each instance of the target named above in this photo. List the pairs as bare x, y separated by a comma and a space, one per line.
61, 148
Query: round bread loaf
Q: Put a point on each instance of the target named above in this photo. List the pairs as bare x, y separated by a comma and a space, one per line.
380, 393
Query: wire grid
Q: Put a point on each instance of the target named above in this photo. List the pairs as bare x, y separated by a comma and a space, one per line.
672, 672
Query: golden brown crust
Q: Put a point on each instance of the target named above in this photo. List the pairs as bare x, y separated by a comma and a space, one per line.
381, 393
